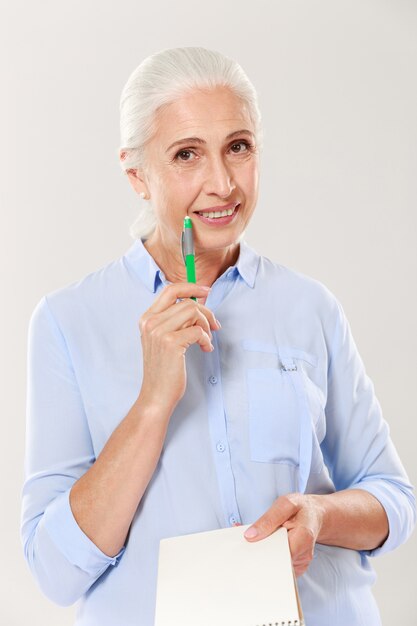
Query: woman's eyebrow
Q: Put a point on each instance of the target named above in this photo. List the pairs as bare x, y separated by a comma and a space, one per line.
201, 141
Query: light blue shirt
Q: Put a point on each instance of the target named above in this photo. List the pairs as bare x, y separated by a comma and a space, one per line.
282, 404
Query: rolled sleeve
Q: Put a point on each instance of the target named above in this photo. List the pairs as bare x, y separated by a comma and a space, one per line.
59, 450
357, 448
75, 545
395, 501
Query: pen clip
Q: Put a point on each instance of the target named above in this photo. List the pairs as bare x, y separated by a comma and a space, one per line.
182, 246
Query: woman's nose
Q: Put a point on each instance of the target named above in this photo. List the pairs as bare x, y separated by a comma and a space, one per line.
218, 179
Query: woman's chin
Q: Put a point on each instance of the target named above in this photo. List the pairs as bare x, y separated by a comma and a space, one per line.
216, 241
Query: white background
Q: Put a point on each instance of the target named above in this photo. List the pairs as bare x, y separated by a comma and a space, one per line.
337, 88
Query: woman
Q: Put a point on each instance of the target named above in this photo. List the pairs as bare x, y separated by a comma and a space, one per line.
148, 418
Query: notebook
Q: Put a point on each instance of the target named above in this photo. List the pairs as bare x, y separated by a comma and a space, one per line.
219, 578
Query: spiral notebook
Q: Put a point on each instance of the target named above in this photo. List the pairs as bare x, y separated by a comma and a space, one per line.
219, 578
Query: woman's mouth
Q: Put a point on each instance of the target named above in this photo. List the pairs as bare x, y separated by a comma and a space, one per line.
218, 218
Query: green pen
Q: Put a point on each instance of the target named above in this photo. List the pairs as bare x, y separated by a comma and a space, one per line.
187, 248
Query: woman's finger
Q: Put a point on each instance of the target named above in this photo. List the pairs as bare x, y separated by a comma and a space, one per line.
190, 305
301, 542
182, 315
170, 294
279, 512
189, 335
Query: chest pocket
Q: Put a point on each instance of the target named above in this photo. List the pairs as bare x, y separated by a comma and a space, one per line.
285, 408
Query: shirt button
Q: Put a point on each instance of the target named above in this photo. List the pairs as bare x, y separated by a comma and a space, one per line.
234, 520
220, 447
213, 380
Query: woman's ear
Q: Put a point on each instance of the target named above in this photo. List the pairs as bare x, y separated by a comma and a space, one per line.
137, 179
138, 182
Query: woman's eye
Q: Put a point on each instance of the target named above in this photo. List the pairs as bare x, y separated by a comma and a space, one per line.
188, 155
237, 147
184, 155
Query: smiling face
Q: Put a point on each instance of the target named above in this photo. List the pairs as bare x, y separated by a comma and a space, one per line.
202, 156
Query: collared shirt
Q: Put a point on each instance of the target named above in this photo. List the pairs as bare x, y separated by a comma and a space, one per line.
282, 404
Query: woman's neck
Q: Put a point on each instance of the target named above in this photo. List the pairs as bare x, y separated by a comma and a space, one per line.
209, 264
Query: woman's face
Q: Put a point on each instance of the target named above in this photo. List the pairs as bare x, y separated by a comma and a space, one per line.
202, 156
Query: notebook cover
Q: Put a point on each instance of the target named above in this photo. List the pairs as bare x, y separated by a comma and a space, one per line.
219, 578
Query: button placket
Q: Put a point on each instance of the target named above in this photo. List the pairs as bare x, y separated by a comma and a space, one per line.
218, 435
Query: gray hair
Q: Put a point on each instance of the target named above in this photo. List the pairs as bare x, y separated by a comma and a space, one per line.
159, 80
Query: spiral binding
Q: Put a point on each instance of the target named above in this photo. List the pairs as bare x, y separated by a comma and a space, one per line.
296, 622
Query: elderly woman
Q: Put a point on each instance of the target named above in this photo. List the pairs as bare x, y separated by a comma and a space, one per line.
152, 414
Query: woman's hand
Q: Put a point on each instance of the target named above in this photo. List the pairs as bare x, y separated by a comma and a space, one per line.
302, 516
167, 329
351, 518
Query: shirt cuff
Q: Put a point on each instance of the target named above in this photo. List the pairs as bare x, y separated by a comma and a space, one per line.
397, 520
61, 525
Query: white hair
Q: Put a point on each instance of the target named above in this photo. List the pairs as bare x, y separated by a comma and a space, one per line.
159, 80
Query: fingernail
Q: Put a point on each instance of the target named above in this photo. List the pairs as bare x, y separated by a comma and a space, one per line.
251, 532
205, 287
218, 323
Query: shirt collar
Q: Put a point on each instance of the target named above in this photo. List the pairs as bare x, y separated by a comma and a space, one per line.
151, 275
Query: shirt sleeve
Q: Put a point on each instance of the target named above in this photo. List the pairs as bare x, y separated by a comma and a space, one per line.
59, 450
357, 447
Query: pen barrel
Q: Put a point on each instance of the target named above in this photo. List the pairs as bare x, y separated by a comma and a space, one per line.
190, 268
188, 242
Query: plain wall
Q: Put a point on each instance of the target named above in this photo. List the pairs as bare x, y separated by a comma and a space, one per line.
337, 88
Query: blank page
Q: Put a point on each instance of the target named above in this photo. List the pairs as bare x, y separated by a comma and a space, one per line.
219, 578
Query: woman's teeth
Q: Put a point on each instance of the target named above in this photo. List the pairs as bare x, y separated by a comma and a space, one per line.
212, 214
